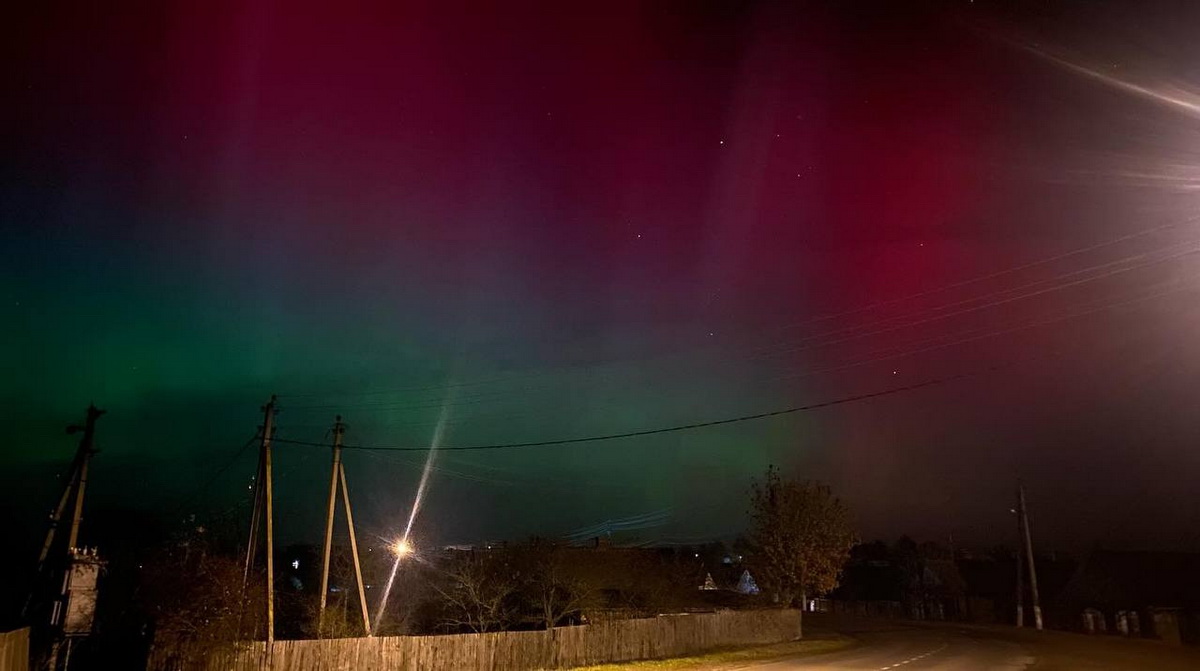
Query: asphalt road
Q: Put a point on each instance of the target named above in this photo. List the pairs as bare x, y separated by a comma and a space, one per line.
888, 646
911, 649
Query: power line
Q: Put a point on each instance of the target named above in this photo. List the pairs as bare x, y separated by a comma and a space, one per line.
202, 489
1000, 301
1096, 307
809, 321
651, 432
886, 354
942, 312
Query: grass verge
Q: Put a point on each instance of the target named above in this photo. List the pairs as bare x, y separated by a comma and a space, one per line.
731, 656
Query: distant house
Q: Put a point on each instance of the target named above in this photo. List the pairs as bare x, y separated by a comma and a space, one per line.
729, 578
1137, 594
746, 584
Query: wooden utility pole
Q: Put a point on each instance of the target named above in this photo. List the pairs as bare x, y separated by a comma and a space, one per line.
337, 477
76, 484
75, 488
263, 505
66, 623
1033, 586
58, 511
86, 449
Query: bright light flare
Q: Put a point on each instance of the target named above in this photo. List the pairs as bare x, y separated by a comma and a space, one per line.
1164, 91
402, 548
1173, 96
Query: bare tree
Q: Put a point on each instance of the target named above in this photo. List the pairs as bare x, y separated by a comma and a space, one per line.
342, 618
554, 587
408, 602
197, 599
801, 536
477, 590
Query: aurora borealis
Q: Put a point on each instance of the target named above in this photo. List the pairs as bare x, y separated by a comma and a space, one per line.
556, 221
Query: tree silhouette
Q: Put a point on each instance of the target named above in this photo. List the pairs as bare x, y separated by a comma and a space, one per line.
800, 535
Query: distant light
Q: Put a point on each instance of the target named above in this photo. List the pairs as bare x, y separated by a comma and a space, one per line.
402, 548
295, 563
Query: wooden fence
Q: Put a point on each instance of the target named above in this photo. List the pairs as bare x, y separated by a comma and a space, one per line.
560, 648
14, 650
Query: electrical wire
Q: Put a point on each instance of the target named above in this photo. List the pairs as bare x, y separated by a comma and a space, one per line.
806, 322
962, 337
1063, 281
203, 489
991, 334
651, 432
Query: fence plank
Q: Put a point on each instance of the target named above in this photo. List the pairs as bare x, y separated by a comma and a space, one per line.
14, 650
565, 647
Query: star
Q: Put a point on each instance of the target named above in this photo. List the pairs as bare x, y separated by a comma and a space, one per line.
722, 142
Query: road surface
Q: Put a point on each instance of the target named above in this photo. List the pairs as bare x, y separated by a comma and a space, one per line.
890, 646
898, 648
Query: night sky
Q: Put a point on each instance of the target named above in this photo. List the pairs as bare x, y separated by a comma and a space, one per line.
556, 221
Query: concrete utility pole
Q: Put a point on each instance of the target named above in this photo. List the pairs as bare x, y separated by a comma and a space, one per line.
252, 542
1020, 587
265, 451
337, 475
263, 504
1033, 586
362, 593
338, 427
